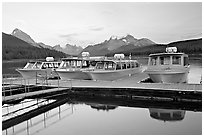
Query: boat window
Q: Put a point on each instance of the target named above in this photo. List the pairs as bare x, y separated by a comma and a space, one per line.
133, 64
85, 64
123, 65
38, 64
118, 66
165, 60
128, 65
93, 63
100, 65
137, 64
109, 66
176, 60
50, 65
45, 66
153, 61
56, 65
65, 64
73, 64
186, 61
77, 64
29, 65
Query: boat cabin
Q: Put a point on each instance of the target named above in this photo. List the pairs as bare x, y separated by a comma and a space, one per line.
169, 58
117, 65
46, 65
74, 63
41, 65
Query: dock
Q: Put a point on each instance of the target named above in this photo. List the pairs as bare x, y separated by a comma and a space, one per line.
128, 86
129, 91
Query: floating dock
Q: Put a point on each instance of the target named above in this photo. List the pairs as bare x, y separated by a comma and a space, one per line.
129, 91
128, 86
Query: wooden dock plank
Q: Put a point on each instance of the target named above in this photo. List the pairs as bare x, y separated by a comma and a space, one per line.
127, 82
23, 95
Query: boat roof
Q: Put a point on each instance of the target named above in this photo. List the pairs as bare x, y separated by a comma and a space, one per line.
42, 61
171, 54
76, 59
115, 61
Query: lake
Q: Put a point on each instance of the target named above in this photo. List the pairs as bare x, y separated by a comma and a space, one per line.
108, 117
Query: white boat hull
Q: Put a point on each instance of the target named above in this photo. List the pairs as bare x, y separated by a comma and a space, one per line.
169, 76
113, 74
37, 73
78, 74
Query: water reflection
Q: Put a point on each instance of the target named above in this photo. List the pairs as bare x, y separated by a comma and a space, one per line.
77, 111
167, 114
42, 121
104, 107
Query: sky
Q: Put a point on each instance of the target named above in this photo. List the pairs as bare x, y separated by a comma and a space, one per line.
89, 23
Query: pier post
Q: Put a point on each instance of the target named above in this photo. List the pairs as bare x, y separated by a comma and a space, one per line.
36, 78
70, 84
25, 84
58, 82
10, 88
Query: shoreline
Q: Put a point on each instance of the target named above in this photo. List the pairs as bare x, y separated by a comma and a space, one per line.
192, 57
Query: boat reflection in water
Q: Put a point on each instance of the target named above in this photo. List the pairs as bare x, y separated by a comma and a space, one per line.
104, 107
77, 111
167, 114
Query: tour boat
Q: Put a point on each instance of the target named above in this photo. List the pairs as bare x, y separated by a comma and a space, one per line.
169, 67
40, 69
73, 68
109, 70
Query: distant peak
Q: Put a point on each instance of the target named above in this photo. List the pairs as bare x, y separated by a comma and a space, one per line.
16, 30
128, 35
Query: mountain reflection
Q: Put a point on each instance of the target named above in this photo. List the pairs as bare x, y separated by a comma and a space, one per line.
167, 114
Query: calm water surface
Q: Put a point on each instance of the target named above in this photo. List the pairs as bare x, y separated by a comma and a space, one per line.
86, 119
91, 118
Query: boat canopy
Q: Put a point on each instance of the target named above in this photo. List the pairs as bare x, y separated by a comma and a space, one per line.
168, 59
117, 64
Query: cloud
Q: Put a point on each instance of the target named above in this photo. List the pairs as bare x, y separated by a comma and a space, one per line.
96, 28
68, 35
192, 35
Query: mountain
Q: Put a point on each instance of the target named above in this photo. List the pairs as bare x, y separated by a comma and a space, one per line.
69, 49
191, 47
23, 36
115, 44
42, 45
15, 48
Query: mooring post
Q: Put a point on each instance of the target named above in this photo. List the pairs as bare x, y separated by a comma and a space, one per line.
58, 82
59, 112
25, 85
36, 78
27, 128
44, 121
46, 78
70, 84
10, 88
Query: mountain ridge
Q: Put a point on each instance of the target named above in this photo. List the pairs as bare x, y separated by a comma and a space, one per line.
15, 48
115, 43
68, 49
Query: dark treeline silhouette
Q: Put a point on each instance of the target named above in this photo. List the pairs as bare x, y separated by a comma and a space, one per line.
191, 47
14, 48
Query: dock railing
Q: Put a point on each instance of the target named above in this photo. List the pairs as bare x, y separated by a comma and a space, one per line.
15, 82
